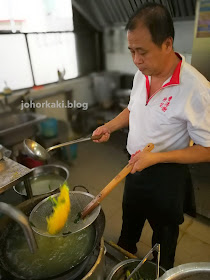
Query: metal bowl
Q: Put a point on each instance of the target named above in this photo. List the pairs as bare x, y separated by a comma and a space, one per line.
147, 271
188, 271
44, 179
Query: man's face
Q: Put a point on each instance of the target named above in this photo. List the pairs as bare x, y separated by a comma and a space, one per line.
147, 56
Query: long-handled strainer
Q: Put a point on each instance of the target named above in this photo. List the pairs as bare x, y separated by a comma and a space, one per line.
84, 207
44, 209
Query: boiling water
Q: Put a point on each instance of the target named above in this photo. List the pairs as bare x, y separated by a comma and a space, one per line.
44, 184
54, 255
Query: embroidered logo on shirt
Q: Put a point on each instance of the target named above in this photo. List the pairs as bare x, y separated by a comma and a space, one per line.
165, 103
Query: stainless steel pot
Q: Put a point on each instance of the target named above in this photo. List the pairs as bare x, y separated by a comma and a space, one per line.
78, 272
40, 171
148, 269
188, 271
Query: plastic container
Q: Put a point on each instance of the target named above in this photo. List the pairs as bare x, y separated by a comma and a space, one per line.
49, 128
29, 162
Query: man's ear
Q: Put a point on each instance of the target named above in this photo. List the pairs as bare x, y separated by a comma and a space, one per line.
168, 44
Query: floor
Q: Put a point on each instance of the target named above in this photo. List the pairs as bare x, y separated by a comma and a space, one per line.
96, 165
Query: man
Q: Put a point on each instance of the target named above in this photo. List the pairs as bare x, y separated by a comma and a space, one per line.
169, 104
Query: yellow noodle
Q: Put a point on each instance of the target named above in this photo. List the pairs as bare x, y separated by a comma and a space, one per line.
57, 220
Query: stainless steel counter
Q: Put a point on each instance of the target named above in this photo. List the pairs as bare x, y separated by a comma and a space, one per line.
11, 173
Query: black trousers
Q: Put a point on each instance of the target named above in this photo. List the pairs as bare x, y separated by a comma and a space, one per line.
157, 194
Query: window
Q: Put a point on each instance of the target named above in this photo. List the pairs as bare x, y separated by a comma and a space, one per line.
52, 52
15, 70
50, 49
29, 16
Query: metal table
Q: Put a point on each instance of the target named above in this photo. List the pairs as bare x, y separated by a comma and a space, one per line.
12, 173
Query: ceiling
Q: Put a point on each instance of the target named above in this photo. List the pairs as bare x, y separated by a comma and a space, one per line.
105, 13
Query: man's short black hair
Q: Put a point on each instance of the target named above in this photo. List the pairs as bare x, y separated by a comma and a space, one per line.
156, 18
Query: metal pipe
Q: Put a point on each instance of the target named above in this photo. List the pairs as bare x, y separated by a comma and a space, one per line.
22, 220
28, 188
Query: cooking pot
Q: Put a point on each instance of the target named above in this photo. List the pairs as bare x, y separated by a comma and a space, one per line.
147, 271
73, 273
44, 179
188, 271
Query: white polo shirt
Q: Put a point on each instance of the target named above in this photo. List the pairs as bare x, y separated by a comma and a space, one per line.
178, 111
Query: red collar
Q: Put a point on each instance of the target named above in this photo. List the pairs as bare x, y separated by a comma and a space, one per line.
175, 79
176, 75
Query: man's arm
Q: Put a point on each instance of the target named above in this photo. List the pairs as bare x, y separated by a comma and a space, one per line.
122, 120
194, 154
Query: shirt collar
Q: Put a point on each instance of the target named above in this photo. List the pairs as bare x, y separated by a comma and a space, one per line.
175, 78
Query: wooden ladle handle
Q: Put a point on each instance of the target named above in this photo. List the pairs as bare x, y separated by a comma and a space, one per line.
117, 179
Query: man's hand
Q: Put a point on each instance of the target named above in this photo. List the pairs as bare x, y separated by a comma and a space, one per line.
102, 130
142, 160
194, 154
118, 122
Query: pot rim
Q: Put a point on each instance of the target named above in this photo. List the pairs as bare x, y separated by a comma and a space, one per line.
185, 269
43, 167
121, 264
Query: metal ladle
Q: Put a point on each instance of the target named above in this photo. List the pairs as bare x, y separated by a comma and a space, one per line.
155, 248
36, 151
